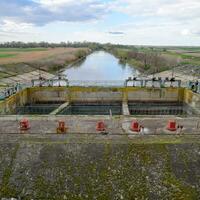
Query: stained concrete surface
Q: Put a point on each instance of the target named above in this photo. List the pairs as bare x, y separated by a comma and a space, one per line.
99, 167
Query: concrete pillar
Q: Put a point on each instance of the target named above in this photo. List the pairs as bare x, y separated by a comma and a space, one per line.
60, 108
125, 108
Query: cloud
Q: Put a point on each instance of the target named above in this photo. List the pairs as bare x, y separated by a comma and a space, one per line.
41, 12
12, 26
116, 33
174, 9
153, 22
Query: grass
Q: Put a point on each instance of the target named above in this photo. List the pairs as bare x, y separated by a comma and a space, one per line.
186, 48
2, 55
22, 49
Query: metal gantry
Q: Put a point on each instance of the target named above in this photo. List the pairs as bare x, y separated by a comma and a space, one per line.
61, 80
194, 86
6, 92
152, 82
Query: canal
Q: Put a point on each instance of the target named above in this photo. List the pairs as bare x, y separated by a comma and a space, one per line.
100, 66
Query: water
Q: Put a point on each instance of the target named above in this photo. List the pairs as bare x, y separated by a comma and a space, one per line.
100, 66
95, 108
158, 108
38, 108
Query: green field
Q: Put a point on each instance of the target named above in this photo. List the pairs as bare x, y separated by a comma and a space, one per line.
3, 55
22, 49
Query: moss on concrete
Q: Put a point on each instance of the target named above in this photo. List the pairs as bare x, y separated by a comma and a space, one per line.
104, 170
7, 190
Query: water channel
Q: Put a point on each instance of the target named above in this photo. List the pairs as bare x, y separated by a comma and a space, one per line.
100, 67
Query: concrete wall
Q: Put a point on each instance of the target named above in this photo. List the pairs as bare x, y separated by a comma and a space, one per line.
192, 99
154, 94
44, 94
106, 94
52, 94
19, 99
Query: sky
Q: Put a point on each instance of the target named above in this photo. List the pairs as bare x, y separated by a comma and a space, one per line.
133, 22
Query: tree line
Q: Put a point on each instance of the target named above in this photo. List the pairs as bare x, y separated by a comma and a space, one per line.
19, 44
91, 45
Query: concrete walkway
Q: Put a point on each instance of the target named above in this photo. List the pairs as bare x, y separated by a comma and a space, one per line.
26, 77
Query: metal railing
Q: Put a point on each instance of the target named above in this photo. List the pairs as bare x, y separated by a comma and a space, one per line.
100, 83
139, 82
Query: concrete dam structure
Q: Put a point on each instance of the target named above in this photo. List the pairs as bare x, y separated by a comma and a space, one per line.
117, 107
100, 143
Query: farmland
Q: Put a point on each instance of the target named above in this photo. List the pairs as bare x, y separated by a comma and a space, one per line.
18, 61
162, 60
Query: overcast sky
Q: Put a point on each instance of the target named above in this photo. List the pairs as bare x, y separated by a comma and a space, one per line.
140, 22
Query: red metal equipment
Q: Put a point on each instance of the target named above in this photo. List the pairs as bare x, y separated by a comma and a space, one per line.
135, 126
101, 127
61, 129
172, 126
24, 125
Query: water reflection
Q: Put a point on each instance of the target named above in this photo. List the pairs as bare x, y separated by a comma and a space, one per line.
100, 66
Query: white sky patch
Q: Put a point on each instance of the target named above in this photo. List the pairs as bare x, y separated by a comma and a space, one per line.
12, 26
57, 5
53, 2
174, 9
185, 32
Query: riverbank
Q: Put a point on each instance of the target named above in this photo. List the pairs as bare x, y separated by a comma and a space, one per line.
146, 62
76, 62
183, 63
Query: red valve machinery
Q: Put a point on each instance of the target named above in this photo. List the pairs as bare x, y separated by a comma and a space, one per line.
172, 126
61, 129
101, 127
135, 126
24, 125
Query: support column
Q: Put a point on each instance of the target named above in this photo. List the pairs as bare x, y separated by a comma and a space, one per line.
125, 108
60, 108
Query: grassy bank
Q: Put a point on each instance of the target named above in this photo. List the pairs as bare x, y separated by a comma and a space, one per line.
151, 60
148, 62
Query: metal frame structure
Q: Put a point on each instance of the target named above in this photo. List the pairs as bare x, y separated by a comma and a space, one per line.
143, 82
9, 91
61, 80
50, 82
194, 86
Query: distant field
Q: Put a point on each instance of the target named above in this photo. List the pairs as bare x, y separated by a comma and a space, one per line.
3, 55
22, 49
187, 56
184, 49
61, 55
14, 61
